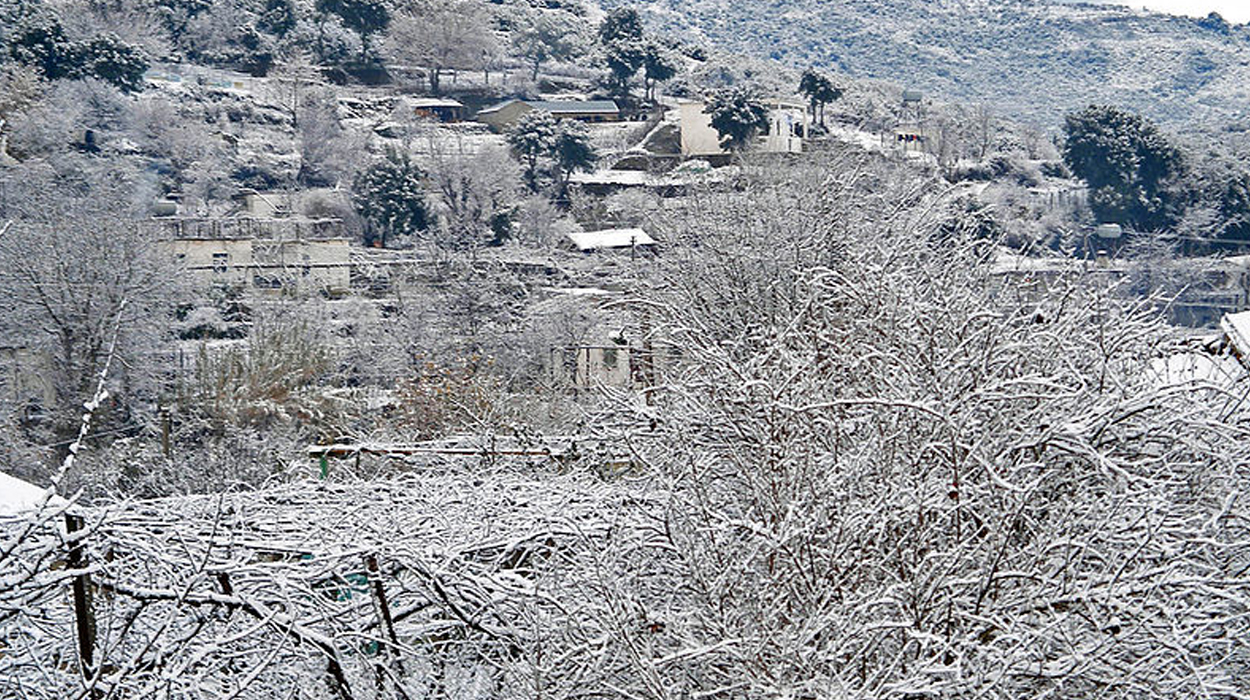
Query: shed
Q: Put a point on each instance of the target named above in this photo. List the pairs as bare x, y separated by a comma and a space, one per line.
587, 241
1236, 328
442, 109
912, 96
588, 111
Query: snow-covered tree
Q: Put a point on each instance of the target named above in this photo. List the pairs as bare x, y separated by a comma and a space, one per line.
440, 36
531, 140
737, 115
548, 36
390, 196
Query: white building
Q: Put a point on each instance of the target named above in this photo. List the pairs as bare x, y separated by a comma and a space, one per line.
787, 128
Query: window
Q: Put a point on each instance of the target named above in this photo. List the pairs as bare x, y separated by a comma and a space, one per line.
221, 261
266, 281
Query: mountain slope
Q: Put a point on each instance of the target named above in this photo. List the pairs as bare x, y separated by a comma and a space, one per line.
1032, 60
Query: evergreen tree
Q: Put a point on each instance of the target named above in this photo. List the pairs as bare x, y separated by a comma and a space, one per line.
571, 151
532, 140
621, 37
547, 37
737, 115
1129, 164
658, 65
112, 60
820, 91
34, 36
621, 25
366, 17
390, 197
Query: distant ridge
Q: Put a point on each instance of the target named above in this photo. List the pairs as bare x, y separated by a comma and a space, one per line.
1034, 60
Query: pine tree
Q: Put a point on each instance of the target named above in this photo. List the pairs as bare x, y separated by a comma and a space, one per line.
390, 196
532, 140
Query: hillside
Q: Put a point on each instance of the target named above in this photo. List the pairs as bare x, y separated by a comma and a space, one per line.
1031, 60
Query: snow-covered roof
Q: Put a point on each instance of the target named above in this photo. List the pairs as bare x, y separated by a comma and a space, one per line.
432, 102
575, 107
1237, 328
610, 238
614, 177
17, 496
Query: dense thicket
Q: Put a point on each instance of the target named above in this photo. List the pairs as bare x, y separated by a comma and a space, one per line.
870, 471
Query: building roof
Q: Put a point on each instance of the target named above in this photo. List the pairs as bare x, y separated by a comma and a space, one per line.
576, 107
610, 238
17, 497
497, 106
431, 102
1237, 328
560, 106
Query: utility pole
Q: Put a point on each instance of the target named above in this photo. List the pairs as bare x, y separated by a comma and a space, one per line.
84, 616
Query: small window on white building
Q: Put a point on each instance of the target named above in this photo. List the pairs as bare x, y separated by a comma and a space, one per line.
221, 261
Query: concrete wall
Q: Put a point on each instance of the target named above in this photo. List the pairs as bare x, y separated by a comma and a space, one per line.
212, 261
322, 264
698, 138
265, 264
588, 367
25, 375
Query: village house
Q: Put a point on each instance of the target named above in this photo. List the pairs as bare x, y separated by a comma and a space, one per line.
22, 498
592, 366
505, 115
260, 254
787, 128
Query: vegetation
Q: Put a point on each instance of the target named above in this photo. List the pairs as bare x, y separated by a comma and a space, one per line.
1129, 164
620, 34
738, 116
532, 140
548, 37
571, 151
390, 196
1060, 56
820, 91
34, 36
862, 423
366, 17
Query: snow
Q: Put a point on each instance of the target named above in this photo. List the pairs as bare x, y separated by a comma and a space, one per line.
17, 496
1196, 368
1237, 327
610, 238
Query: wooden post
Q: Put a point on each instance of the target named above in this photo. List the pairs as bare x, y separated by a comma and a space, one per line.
165, 420
383, 608
84, 616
